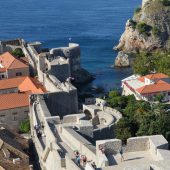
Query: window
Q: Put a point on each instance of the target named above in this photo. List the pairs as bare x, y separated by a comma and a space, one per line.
19, 74
2, 118
2, 115
2, 76
15, 113
168, 93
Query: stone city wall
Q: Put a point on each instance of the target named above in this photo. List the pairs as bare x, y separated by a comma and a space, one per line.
70, 119
114, 112
70, 165
104, 133
137, 144
61, 71
77, 142
111, 146
62, 103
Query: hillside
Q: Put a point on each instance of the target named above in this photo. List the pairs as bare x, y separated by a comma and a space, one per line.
148, 30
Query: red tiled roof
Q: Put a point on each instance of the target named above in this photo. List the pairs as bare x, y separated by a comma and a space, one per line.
28, 84
11, 83
14, 100
23, 84
10, 62
156, 76
160, 86
153, 76
2, 70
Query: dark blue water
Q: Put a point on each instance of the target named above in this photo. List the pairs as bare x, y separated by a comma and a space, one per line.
95, 24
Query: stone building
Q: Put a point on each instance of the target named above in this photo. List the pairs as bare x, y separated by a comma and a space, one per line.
14, 97
12, 67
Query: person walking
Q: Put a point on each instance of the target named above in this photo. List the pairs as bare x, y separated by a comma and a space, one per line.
121, 154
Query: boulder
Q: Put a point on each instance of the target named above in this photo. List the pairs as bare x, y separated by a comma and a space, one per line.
122, 60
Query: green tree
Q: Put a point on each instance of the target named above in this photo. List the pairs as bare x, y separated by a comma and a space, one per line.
143, 28
114, 93
18, 53
159, 97
137, 10
123, 129
24, 126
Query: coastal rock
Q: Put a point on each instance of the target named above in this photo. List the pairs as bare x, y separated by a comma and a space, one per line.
122, 60
149, 29
82, 76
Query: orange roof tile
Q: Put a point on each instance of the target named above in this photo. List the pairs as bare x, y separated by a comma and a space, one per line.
14, 100
28, 84
160, 86
2, 70
156, 76
11, 83
23, 84
153, 76
10, 62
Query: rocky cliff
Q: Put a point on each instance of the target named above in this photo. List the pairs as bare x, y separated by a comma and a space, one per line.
149, 29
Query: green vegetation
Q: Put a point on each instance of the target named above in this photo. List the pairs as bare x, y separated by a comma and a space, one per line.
18, 53
140, 117
155, 31
159, 97
137, 10
166, 2
24, 126
133, 23
144, 63
143, 28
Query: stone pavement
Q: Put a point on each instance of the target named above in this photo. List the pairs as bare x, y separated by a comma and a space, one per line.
132, 161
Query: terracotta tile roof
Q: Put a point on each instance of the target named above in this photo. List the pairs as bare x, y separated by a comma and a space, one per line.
29, 85
11, 83
10, 62
23, 84
2, 70
153, 76
14, 100
156, 76
160, 86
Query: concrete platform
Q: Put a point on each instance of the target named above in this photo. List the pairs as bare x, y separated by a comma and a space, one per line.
132, 161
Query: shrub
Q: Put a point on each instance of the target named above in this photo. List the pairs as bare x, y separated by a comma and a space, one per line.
143, 28
166, 2
132, 23
18, 53
137, 10
114, 93
159, 97
24, 126
155, 31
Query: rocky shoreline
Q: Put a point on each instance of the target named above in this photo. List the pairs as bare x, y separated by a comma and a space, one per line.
148, 30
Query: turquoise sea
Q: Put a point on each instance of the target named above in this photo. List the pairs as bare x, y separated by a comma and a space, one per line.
95, 24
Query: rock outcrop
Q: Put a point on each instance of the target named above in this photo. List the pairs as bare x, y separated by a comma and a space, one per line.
148, 30
122, 60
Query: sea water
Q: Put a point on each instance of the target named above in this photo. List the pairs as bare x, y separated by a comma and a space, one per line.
95, 24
